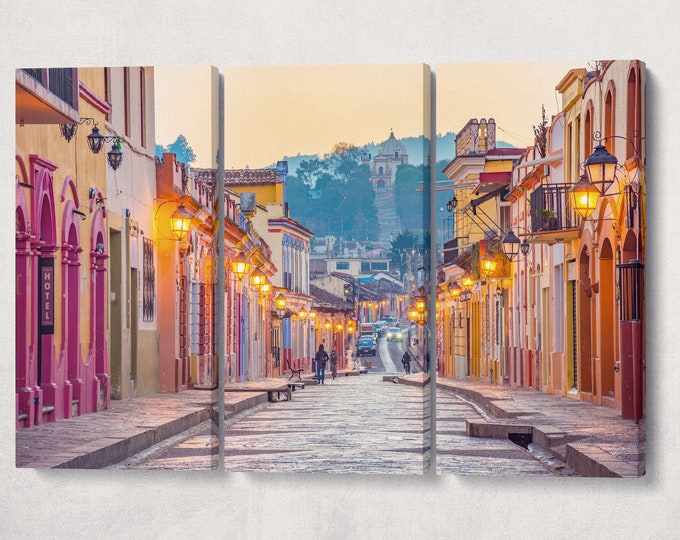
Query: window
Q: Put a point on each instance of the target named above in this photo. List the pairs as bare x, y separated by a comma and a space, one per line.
609, 120
126, 99
376, 266
342, 265
633, 111
588, 130
107, 90
142, 106
149, 294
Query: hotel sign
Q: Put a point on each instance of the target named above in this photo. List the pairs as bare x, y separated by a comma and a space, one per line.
46, 284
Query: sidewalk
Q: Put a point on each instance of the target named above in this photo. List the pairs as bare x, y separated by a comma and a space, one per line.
97, 440
591, 439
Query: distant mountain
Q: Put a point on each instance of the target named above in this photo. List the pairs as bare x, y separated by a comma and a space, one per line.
446, 150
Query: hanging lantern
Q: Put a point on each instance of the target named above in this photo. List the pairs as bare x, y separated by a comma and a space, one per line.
265, 288
280, 302
258, 279
455, 290
601, 168
240, 266
511, 245
488, 264
467, 280
584, 197
180, 220
115, 156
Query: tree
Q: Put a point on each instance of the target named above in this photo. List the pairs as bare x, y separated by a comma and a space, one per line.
183, 152
344, 160
310, 170
541, 134
402, 248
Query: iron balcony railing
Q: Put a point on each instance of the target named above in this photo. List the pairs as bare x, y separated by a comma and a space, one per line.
60, 81
551, 208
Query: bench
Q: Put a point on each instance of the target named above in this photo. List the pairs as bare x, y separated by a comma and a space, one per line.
294, 372
262, 387
295, 384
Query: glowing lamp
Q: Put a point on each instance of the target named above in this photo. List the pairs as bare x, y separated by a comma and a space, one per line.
179, 222
468, 281
258, 279
584, 197
240, 266
488, 264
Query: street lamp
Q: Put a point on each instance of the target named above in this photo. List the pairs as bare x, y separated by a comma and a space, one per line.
512, 245
454, 289
467, 280
302, 313
451, 204
240, 266
258, 279
280, 303
601, 168
584, 197
488, 264
179, 222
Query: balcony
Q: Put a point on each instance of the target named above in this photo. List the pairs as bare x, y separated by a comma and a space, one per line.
47, 96
552, 217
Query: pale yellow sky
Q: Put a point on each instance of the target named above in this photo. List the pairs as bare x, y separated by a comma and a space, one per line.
186, 100
277, 111
271, 112
510, 93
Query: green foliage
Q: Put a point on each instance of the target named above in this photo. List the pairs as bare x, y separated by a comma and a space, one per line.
183, 152
333, 195
401, 246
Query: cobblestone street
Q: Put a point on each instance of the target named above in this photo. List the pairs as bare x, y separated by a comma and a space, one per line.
457, 453
350, 425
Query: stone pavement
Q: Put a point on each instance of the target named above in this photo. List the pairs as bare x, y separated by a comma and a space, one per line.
592, 440
98, 440
358, 424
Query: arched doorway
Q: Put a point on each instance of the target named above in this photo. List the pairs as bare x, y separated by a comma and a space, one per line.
584, 327
24, 298
70, 355
99, 385
43, 253
607, 317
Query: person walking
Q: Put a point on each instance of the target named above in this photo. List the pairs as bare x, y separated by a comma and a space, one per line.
321, 359
406, 360
334, 364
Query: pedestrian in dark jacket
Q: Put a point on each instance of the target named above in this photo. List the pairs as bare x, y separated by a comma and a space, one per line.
321, 359
334, 364
406, 360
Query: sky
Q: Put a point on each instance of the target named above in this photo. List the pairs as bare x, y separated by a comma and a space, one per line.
277, 111
186, 101
510, 93
272, 112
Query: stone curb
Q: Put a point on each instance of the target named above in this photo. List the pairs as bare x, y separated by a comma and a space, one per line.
114, 448
586, 458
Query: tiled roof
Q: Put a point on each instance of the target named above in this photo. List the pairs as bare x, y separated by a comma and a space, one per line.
326, 300
251, 176
240, 176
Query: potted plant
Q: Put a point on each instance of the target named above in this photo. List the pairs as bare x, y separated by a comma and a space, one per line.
549, 219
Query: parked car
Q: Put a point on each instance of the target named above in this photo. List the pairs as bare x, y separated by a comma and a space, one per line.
394, 334
380, 328
366, 345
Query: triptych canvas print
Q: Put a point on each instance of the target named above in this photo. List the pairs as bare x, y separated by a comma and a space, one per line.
350, 269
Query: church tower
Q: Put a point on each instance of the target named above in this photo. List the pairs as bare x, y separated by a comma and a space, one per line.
391, 154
